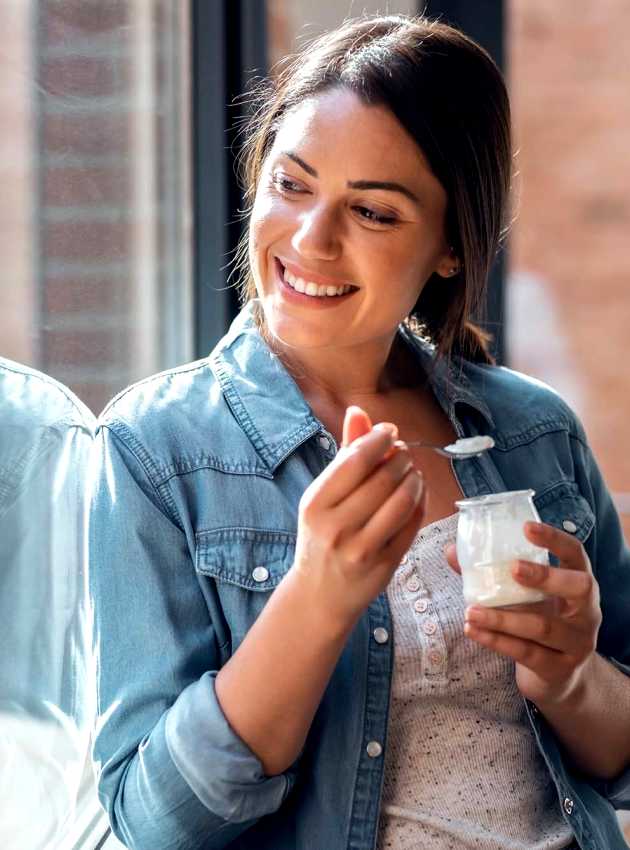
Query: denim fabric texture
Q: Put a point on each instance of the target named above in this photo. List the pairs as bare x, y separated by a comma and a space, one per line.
197, 477
46, 662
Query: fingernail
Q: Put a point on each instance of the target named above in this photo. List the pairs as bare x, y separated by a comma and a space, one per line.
535, 527
524, 570
388, 427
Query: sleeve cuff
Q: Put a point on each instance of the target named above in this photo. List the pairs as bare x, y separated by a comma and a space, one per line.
219, 767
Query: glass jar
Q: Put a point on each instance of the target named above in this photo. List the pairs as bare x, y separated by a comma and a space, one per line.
490, 538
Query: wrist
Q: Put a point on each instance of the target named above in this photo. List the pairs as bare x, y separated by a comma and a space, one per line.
574, 694
321, 605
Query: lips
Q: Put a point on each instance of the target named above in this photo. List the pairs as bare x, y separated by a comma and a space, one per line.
312, 276
315, 301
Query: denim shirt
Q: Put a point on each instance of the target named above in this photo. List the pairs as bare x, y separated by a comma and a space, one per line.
46, 669
197, 479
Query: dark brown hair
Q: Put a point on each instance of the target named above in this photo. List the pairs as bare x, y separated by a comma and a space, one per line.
449, 95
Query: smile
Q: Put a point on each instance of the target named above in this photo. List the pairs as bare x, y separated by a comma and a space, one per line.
301, 290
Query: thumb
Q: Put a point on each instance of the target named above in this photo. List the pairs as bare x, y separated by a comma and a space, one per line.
356, 423
451, 557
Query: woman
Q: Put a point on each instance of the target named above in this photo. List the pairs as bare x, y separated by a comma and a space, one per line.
249, 579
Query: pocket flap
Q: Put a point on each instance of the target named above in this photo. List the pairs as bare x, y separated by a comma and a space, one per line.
251, 558
564, 507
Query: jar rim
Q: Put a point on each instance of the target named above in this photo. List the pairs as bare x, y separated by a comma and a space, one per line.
493, 498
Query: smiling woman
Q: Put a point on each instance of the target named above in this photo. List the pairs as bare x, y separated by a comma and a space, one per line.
257, 542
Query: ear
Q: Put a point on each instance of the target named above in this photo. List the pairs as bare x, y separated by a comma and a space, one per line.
449, 264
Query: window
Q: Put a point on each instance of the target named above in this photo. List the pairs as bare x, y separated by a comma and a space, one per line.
96, 292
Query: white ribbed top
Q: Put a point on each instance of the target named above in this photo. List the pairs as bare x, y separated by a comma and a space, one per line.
462, 769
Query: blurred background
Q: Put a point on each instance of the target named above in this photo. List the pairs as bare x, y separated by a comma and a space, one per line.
118, 208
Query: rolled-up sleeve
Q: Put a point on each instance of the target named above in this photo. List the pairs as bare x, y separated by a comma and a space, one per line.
171, 771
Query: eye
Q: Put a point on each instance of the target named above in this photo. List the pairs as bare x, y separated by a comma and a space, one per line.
373, 216
284, 183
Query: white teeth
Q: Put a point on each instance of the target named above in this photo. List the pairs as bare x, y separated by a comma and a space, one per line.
310, 288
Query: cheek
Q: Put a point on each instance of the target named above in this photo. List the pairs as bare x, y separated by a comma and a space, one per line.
266, 221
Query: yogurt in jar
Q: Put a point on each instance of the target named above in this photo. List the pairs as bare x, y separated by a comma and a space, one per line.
490, 538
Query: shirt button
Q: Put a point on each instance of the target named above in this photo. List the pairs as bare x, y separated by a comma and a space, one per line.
381, 635
435, 657
374, 749
324, 443
404, 558
420, 605
413, 584
260, 574
569, 526
567, 805
429, 627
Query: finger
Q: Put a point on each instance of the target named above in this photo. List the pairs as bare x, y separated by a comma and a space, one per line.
539, 659
356, 422
391, 516
450, 552
352, 465
399, 544
567, 549
353, 512
572, 585
540, 628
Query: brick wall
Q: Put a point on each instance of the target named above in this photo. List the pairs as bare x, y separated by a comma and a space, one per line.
109, 162
570, 79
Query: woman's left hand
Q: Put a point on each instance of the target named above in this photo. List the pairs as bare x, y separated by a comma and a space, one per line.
552, 642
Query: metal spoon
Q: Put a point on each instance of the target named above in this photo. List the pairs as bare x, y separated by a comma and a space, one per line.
461, 449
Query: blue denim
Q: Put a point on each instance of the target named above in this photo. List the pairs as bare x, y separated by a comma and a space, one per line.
198, 475
46, 681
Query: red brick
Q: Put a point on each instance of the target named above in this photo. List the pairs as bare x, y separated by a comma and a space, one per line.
78, 295
84, 186
93, 347
86, 241
87, 133
64, 21
85, 76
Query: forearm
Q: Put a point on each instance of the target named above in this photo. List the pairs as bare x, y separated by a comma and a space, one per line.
593, 721
270, 689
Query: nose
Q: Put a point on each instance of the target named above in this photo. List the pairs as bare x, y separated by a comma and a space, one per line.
317, 237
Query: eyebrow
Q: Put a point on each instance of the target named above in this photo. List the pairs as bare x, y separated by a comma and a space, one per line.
388, 185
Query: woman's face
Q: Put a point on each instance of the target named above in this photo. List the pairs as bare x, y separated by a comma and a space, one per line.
318, 213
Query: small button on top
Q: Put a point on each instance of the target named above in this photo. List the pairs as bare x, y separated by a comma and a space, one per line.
567, 805
404, 559
429, 627
413, 584
421, 605
435, 657
260, 574
324, 443
381, 635
374, 749
569, 526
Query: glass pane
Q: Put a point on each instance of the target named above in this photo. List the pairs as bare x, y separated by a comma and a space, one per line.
95, 291
96, 283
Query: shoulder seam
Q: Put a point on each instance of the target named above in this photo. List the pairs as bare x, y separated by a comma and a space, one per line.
136, 448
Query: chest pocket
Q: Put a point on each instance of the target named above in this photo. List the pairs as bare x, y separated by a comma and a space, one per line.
245, 565
564, 507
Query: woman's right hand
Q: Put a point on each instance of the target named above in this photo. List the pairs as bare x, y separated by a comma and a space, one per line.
357, 519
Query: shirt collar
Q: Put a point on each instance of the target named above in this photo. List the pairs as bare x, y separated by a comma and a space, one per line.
269, 405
